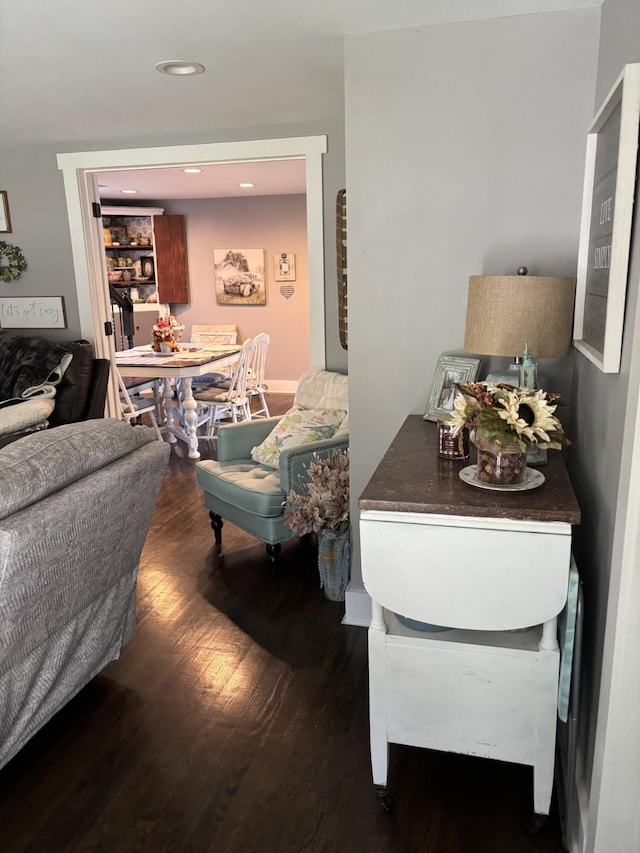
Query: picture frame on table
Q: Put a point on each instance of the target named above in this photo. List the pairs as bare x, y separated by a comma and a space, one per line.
605, 230
5, 217
451, 370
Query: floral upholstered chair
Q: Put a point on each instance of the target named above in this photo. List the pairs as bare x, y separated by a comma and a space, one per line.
261, 461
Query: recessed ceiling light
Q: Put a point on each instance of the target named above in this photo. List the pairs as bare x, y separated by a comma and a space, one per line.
192, 171
179, 67
130, 192
246, 185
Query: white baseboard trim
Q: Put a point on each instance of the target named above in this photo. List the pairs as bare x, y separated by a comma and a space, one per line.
357, 608
282, 386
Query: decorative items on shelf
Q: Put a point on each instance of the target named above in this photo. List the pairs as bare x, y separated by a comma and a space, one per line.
147, 267
505, 421
322, 507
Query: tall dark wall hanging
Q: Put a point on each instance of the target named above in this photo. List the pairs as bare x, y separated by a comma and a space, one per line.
341, 255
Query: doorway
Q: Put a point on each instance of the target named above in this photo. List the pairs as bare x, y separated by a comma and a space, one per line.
80, 180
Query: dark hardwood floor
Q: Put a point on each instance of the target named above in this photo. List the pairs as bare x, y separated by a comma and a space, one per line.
237, 720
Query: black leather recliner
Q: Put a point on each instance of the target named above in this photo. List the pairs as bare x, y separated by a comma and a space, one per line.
80, 394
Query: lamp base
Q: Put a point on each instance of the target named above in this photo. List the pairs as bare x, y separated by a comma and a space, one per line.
511, 376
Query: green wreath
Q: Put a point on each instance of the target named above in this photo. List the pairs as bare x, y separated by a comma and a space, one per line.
16, 262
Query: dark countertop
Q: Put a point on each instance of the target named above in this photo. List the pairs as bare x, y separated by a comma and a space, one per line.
412, 478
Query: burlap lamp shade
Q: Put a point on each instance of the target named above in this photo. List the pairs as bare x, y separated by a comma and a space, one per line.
506, 311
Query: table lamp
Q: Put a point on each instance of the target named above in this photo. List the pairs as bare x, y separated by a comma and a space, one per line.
507, 314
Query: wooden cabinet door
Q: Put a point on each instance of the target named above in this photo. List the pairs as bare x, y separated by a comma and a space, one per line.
171, 258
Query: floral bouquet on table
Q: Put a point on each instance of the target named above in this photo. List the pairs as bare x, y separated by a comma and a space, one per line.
323, 508
505, 422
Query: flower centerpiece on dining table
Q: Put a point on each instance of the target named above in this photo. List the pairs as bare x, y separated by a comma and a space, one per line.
505, 421
322, 508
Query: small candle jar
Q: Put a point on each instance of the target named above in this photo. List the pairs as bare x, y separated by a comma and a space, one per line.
452, 446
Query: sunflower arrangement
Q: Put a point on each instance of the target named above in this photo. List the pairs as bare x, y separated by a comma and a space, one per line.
506, 415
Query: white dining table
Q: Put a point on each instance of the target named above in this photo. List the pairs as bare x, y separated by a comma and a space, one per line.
181, 367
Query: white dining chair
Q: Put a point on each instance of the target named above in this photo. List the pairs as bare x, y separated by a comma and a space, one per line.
256, 386
132, 406
216, 405
220, 334
214, 333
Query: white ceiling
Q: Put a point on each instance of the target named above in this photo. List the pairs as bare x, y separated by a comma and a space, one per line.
276, 177
80, 73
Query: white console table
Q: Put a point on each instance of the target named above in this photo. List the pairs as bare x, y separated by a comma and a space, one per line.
440, 551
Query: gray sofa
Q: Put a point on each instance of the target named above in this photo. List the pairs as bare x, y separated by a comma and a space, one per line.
75, 508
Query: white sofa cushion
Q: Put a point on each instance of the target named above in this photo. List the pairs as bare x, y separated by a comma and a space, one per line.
323, 389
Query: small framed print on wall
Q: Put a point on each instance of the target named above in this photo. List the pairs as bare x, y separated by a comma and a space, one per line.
605, 231
284, 266
5, 218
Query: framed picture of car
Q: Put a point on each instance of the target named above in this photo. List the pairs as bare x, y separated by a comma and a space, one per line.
239, 276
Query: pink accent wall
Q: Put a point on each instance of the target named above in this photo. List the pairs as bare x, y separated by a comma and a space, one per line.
273, 223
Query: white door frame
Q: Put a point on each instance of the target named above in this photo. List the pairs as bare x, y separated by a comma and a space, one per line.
79, 171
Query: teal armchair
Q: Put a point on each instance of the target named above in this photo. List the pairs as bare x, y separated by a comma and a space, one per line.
252, 495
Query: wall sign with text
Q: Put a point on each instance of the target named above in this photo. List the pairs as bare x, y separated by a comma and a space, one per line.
605, 231
32, 312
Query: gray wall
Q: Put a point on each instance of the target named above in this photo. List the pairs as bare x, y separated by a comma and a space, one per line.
600, 403
465, 155
40, 225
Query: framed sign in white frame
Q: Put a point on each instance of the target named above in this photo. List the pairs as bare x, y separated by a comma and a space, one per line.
605, 230
32, 312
